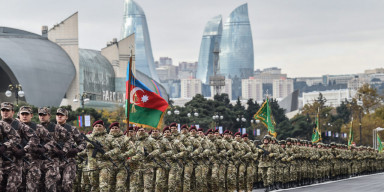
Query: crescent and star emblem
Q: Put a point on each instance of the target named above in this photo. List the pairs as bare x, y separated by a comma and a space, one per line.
132, 96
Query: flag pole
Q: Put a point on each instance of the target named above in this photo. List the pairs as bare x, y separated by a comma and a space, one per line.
129, 89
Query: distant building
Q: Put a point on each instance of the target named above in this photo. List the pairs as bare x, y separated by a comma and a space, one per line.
135, 22
334, 97
374, 71
337, 79
269, 74
252, 89
282, 87
165, 61
291, 102
190, 87
309, 81
236, 56
187, 70
167, 72
227, 89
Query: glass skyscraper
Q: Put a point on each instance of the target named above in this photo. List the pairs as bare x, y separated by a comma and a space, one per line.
236, 56
134, 21
209, 42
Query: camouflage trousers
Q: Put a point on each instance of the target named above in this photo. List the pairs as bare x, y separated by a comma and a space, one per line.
201, 172
99, 175
52, 174
221, 176
250, 176
241, 168
174, 178
15, 173
161, 180
117, 179
69, 174
214, 179
85, 182
267, 175
188, 169
148, 178
231, 177
33, 175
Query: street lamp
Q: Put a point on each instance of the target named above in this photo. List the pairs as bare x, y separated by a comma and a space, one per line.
83, 99
374, 134
18, 92
176, 112
241, 119
217, 119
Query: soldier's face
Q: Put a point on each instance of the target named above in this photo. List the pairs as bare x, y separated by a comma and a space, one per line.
184, 131
210, 135
61, 119
98, 127
114, 129
131, 133
288, 143
201, 133
227, 136
265, 141
217, 134
245, 139
174, 129
193, 132
25, 117
283, 146
167, 133
44, 118
238, 138
7, 114
141, 132
155, 133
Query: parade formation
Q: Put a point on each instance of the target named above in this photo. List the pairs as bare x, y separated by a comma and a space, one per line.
58, 157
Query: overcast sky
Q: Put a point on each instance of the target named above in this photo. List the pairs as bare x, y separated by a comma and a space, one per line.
303, 37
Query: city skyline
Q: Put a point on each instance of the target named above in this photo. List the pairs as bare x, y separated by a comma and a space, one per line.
304, 38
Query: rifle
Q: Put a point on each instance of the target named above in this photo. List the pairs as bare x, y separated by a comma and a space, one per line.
80, 157
154, 160
24, 158
4, 156
97, 148
265, 153
60, 147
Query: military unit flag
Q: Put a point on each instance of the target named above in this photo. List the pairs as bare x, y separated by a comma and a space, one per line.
316, 136
265, 116
350, 138
380, 148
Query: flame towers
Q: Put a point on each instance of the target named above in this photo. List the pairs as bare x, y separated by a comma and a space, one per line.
134, 21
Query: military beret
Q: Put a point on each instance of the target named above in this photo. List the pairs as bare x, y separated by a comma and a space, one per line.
98, 122
25, 109
89, 132
185, 126
7, 105
150, 132
131, 128
200, 129
227, 132
237, 133
244, 135
192, 127
209, 131
173, 124
216, 131
44, 110
166, 129
62, 111
115, 124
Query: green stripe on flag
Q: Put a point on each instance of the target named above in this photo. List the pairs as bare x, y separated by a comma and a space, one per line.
145, 116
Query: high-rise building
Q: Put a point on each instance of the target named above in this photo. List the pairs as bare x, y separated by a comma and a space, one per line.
134, 21
282, 87
190, 87
269, 74
236, 56
209, 43
252, 89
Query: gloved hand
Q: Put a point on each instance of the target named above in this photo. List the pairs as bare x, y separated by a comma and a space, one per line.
18, 153
58, 153
72, 152
260, 151
271, 155
38, 150
3, 148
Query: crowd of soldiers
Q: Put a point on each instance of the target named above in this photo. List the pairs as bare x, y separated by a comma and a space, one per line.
57, 157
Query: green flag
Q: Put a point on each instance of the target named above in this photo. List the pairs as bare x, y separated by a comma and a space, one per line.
316, 136
380, 144
350, 138
265, 116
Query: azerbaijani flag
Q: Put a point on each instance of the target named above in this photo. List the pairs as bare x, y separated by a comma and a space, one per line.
316, 136
80, 120
146, 108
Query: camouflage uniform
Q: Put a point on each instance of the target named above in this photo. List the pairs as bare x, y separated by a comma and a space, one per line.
229, 152
146, 149
195, 149
176, 162
202, 169
29, 140
127, 151
162, 171
8, 138
99, 166
117, 175
266, 165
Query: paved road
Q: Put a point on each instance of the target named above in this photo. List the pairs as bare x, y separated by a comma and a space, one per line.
365, 183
